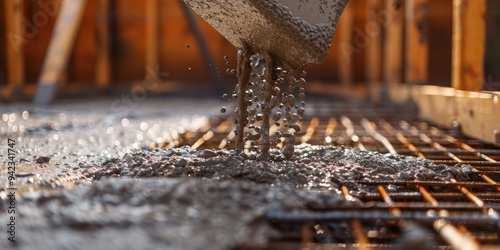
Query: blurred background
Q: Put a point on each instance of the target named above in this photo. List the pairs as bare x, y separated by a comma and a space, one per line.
86, 84
118, 45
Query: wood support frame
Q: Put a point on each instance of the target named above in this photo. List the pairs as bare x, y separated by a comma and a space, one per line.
476, 114
60, 47
393, 46
346, 48
103, 60
374, 47
152, 36
417, 41
15, 41
469, 40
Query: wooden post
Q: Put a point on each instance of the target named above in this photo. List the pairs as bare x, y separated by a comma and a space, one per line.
417, 41
152, 39
393, 46
374, 46
60, 46
346, 46
15, 41
469, 39
103, 61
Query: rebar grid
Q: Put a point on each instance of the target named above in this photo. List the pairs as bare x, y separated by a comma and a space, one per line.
463, 217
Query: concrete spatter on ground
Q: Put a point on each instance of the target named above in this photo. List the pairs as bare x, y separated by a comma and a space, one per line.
181, 213
151, 214
311, 167
82, 133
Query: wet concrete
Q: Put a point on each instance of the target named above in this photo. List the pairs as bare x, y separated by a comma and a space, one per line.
70, 136
55, 144
182, 213
131, 197
319, 168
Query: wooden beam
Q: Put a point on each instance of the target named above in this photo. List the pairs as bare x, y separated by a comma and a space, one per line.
469, 40
60, 46
476, 114
374, 45
356, 91
440, 31
479, 115
393, 46
360, 40
417, 41
346, 46
152, 61
103, 61
15, 41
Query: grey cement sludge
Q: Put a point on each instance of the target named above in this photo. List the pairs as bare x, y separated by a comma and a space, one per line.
312, 167
182, 213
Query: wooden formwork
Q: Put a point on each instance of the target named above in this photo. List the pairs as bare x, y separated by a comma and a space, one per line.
464, 105
400, 63
113, 44
14, 51
429, 53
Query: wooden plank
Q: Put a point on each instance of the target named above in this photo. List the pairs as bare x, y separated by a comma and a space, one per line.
439, 50
3, 50
492, 61
14, 43
393, 46
479, 115
64, 79
417, 41
103, 60
360, 40
38, 36
129, 52
346, 46
357, 91
84, 49
374, 46
469, 27
152, 61
476, 114
435, 104
59, 50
